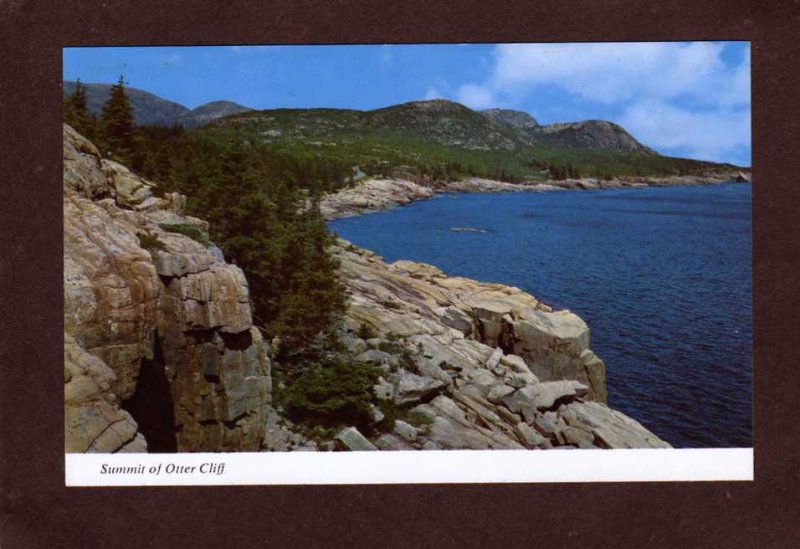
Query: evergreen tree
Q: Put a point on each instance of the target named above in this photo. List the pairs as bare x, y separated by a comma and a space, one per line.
277, 235
76, 112
116, 123
312, 293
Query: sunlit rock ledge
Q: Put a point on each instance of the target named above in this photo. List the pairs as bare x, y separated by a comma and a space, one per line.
491, 366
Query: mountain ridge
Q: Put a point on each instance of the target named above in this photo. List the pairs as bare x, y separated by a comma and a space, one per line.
439, 139
151, 109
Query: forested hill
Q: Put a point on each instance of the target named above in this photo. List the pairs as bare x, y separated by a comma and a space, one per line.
446, 140
437, 139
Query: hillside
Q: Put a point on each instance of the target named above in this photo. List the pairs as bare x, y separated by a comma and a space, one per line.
209, 112
147, 108
150, 109
445, 140
439, 139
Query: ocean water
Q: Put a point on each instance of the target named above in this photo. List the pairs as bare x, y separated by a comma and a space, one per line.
662, 276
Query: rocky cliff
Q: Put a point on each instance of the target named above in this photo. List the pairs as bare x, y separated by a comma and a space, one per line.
589, 134
484, 365
160, 351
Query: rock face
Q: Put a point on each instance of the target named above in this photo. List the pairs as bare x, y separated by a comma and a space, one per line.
351, 439
589, 134
483, 365
517, 119
373, 195
155, 323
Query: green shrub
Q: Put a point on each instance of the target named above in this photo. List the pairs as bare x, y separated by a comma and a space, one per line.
337, 393
418, 419
392, 348
192, 231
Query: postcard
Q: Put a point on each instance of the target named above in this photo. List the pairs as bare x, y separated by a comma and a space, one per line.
430, 263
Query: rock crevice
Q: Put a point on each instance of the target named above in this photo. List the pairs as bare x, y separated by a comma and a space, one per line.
133, 289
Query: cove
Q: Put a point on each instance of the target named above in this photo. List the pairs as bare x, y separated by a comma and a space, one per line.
662, 276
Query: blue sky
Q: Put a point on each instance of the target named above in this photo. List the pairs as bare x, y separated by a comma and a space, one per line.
687, 99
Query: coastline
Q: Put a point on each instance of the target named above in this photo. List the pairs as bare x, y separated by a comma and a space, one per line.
375, 195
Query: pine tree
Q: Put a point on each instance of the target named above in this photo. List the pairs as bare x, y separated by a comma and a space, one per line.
76, 112
116, 123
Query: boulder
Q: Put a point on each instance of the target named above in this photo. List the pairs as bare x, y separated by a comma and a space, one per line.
457, 319
516, 364
614, 429
383, 390
404, 430
578, 437
351, 439
494, 359
378, 358
388, 441
482, 377
413, 388
529, 437
498, 392
548, 393
542, 396
595, 376
130, 189
450, 435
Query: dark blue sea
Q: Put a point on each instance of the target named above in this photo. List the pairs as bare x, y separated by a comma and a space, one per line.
662, 276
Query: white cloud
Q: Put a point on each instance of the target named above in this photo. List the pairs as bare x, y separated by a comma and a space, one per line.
674, 96
477, 97
433, 93
708, 134
613, 72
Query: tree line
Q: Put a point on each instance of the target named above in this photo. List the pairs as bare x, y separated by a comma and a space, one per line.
113, 131
262, 207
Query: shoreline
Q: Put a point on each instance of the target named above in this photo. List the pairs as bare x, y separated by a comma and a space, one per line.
376, 195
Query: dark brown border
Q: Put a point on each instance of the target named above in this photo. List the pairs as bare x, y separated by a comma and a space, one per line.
38, 511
